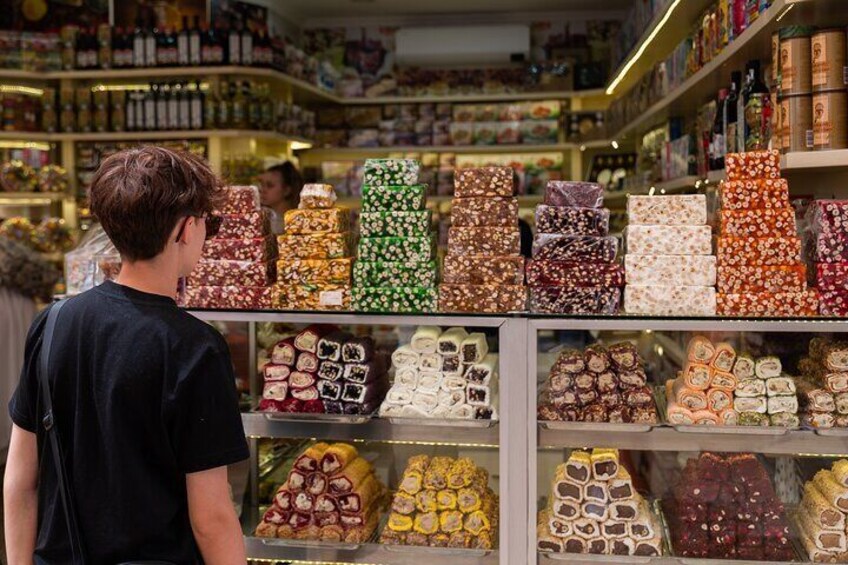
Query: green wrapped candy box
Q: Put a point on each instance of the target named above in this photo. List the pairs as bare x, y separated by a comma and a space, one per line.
386, 172
393, 273
393, 198
402, 249
395, 224
753, 419
394, 299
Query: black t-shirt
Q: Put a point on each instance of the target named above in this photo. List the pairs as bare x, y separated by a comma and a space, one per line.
143, 393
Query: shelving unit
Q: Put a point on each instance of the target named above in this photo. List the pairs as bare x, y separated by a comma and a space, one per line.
461, 149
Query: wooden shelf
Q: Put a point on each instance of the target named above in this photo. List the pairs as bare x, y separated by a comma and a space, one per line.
481, 97
836, 159
462, 149
151, 135
43, 196
25, 136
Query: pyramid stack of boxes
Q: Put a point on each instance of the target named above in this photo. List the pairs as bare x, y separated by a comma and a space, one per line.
669, 266
483, 269
237, 269
396, 270
759, 266
313, 272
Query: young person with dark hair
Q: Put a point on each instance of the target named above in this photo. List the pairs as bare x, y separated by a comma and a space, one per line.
143, 393
280, 191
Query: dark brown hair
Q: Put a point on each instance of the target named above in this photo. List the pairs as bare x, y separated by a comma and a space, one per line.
140, 194
291, 177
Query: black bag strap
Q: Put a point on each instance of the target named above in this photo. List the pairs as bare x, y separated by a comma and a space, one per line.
49, 423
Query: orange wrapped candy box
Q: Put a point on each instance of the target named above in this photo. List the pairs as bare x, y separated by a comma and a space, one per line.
768, 304
759, 278
772, 222
772, 251
754, 194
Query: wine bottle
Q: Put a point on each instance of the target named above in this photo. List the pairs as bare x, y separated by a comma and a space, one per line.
183, 57
194, 43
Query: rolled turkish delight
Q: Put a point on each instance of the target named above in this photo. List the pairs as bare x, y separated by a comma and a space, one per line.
744, 367
480, 212
272, 372
284, 352
559, 527
587, 528
818, 419
405, 356
582, 248
395, 224
227, 297
545, 541
394, 273
429, 381
361, 373
481, 298
759, 278
307, 340
815, 399
754, 194
724, 358
425, 339
329, 390
314, 246
358, 350
394, 299
780, 386
409, 249
780, 404
261, 249
595, 510
330, 220
758, 404
689, 398
399, 522
330, 346
485, 182
307, 362
832, 277
624, 510
383, 172
474, 348
574, 194
753, 165
330, 371
624, 356
479, 395
493, 241
304, 393
840, 473
577, 300
769, 251
451, 365
670, 300
328, 296
670, 270
668, 240
361, 393
770, 304
700, 350
785, 419
774, 222
275, 390
831, 490
218, 272
632, 379
559, 273
393, 198
604, 464
244, 226
572, 221
750, 388
578, 467
575, 544
314, 271
686, 209
315, 195
481, 269
481, 372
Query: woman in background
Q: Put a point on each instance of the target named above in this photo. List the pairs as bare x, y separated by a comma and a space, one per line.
280, 191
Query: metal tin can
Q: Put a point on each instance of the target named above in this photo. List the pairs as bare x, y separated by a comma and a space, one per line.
828, 58
796, 122
830, 120
795, 76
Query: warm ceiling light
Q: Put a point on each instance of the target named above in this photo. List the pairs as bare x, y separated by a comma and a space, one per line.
25, 145
300, 145
19, 89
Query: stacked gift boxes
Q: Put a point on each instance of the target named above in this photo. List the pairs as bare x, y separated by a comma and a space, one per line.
483, 268
669, 266
759, 267
823, 388
313, 271
579, 285
725, 507
237, 267
330, 494
822, 514
594, 508
443, 375
443, 502
395, 270
826, 252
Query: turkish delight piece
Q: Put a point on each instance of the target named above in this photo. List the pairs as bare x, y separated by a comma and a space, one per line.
575, 300
358, 350
834, 303
481, 372
330, 346
328, 390
330, 370
668, 240
316, 195
314, 271
482, 212
227, 297
670, 270
772, 222
750, 388
222, 272
780, 404
584, 248
425, 339
780, 386
828, 217
474, 348
670, 300
284, 352
682, 209
394, 273
574, 194
402, 249
307, 362
769, 304
390, 172
485, 181
486, 298
272, 372
261, 249
760, 278
308, 339
275, 390
479, 269
314, 246
361, 372
771, 251
393, 198
362, 393
241, 200
572, 221
752, 165
311, 296
832, 277
497, 241
395, 224
330, 220
394, 299
245, 226
754, 194
559, 273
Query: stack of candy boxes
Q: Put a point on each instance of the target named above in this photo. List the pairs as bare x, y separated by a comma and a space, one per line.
826, 253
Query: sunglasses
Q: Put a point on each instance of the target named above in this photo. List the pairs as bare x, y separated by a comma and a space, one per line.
213, 226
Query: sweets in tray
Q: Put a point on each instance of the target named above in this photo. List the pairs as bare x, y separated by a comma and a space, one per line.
314, 269
594, 507
725, 507
324, 370
669, 266
759, 268
443, 502
484, 270
573, 269
237, 268
821, 516
447, 374
330, 494
825, 237
599, 384
395, 271
823, 387
718, 387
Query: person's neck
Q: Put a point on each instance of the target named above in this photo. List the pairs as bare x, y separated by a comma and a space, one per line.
282, 207
153, 277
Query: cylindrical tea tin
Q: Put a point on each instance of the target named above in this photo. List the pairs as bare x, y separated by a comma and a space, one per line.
830, 120
796, 120
828, 59
795, 76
